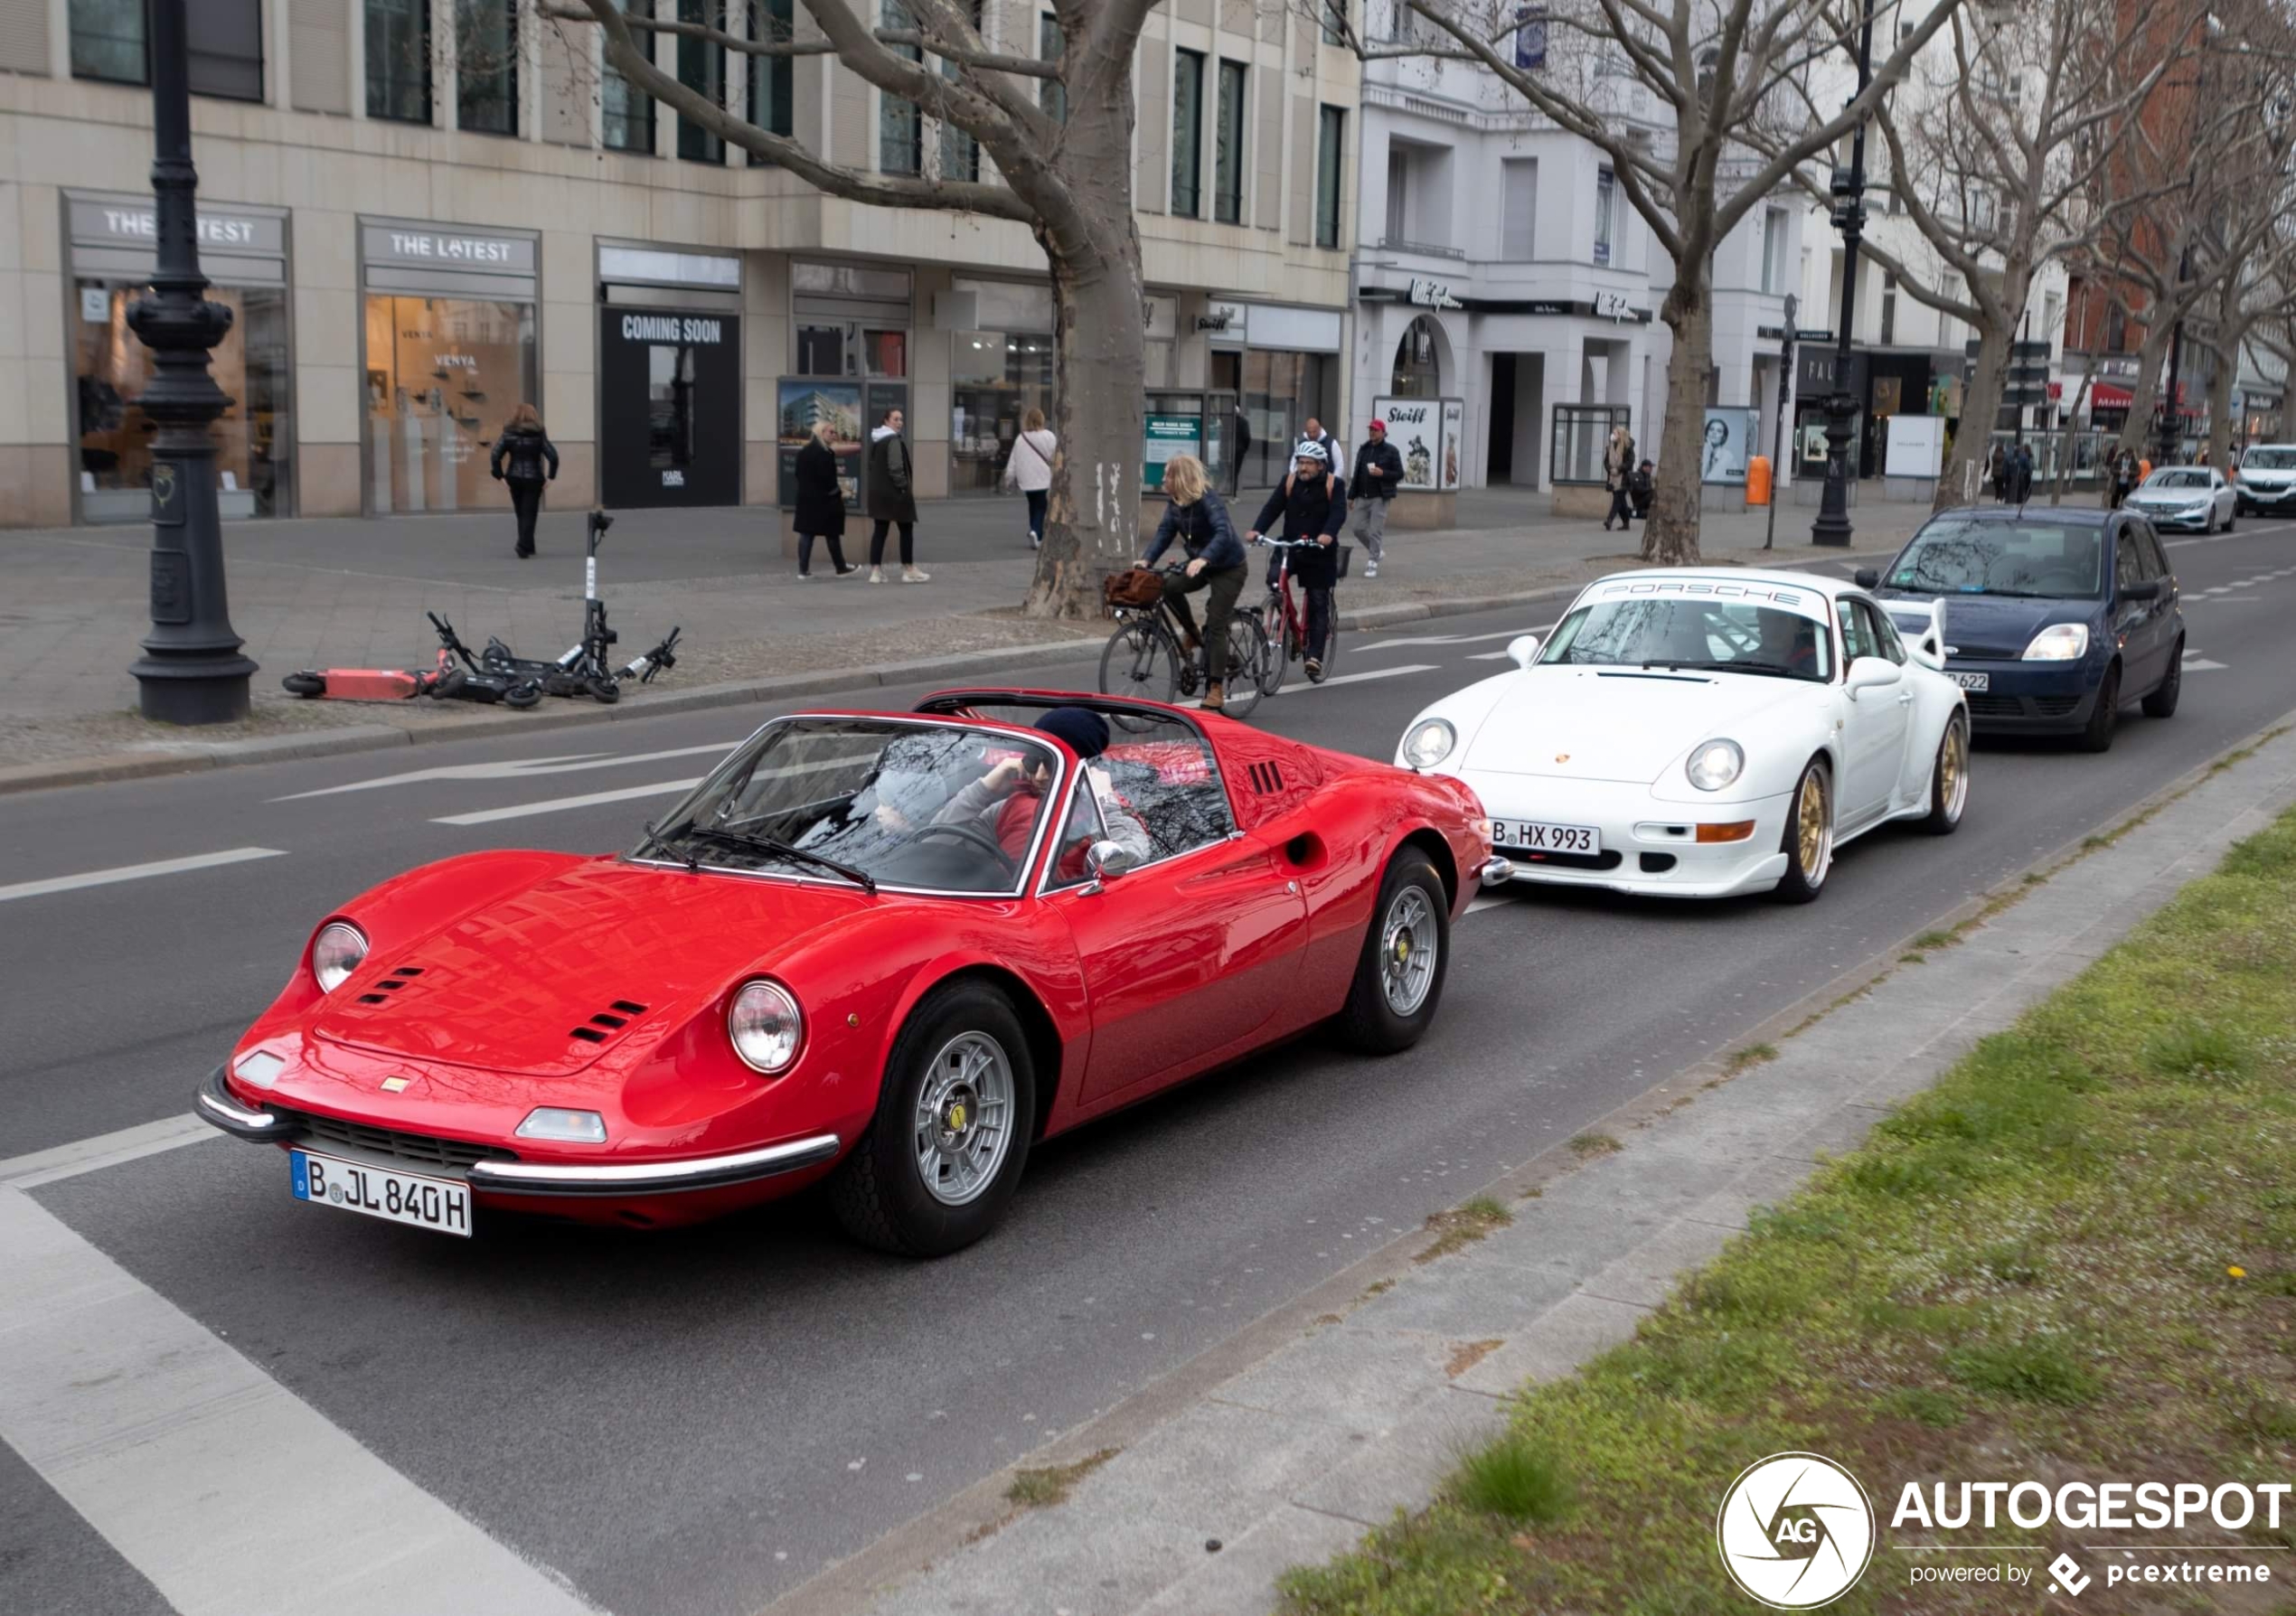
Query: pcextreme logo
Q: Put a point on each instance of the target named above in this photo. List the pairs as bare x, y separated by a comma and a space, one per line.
1795, 1530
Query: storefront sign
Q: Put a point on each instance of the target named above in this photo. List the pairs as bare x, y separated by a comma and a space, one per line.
1455, 424
99, 221
669, 409
672, 328
1612, 305
403, 244
1432, 293
1225, 318
1415, 427
1167, 436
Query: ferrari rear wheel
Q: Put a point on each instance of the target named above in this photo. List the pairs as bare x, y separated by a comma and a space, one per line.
951, 1134
1398, 976
1949, 780
1809, 837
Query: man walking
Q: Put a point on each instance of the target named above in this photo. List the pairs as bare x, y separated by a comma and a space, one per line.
1315, 434
1378, 473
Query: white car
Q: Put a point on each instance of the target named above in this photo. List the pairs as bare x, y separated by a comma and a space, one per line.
2186, 496
1695, 734
2265, 483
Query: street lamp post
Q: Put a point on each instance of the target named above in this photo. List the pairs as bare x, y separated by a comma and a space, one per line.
1778, 426
191, 670
1849, 188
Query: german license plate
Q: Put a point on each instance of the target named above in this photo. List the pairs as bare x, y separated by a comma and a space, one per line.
1973, 681
439, 1205
1540, 836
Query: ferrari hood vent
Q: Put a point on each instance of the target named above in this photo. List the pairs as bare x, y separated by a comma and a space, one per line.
1265, 778
397, 981
601, 1027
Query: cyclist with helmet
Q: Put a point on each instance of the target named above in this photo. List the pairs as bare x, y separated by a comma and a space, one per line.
1312, 505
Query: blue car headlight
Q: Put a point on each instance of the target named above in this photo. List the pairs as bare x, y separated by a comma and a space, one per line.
2059, 643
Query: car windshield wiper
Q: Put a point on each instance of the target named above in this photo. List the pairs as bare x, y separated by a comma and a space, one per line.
655, 838
769, 844
1676, 667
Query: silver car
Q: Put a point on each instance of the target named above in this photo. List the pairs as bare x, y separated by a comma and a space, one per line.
2186, 496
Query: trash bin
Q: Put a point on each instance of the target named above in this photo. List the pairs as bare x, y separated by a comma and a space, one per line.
1757, 480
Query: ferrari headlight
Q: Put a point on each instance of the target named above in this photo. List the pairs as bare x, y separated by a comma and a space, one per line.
335, 954
1714, 765
1429, 743
766, 1026
567, 1127
2059, 643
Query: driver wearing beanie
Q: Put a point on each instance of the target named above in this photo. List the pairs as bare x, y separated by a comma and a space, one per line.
1004, 802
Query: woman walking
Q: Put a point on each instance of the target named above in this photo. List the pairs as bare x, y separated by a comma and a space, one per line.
1198, 519
821, 504
1618, 469
891, 499
1029, 468
521, 455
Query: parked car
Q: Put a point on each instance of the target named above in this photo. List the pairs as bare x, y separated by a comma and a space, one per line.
2186, 496
2266, 483
889, 950
2054, 618
1695, 734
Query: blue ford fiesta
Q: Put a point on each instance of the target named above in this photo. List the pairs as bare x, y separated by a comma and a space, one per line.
2054, 618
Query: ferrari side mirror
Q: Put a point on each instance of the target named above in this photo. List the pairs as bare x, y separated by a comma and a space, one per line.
1108, 860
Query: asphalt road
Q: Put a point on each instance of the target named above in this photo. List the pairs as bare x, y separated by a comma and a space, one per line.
696, 1422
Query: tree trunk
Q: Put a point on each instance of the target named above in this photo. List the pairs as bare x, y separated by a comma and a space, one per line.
1981, 407
2139, 433
2220, 421
1671, 536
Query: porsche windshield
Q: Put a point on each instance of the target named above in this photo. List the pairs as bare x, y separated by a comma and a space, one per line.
2045, 559
939, 807
1709, 635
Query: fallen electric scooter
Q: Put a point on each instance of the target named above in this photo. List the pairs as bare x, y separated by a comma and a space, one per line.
584, 669
447, 680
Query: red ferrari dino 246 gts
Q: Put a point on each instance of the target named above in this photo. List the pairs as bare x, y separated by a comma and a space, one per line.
892, 951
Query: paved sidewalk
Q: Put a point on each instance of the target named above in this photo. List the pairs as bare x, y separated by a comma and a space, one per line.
352, 594
1363, 1394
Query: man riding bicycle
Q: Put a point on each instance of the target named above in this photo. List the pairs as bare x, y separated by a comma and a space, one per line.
1312, 505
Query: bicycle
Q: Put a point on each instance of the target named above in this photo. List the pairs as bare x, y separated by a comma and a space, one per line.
1283, 621
1144, 658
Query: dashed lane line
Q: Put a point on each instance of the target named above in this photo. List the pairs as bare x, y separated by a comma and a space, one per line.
517, 769
1339, 679
629, 794
136, 872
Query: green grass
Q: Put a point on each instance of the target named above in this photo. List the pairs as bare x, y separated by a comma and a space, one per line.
1745, 1059
1931, 941
1038, 1488
2074, 1256
1462, 1226
1587, 1146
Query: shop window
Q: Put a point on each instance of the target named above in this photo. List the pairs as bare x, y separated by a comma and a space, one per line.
1330, 153
1281, 389
486, 66
1052, 95
900, 126
770, 76
1228, 151
443, 374
701, 67
1419, 368
1519, 208
253, 438
110, 41
1187, 132
1605, 202
398, 60
1888, 308
996, 379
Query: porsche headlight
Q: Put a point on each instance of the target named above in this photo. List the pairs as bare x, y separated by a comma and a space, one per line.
2059, 643
1429, 743
335, 954
1714, 765
766, 1026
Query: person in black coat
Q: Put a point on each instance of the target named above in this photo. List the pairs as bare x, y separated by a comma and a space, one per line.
1379, 474
890, 496
1311, 504
524, 457
821, 504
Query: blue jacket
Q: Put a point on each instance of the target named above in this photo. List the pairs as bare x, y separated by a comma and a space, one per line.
1203, 531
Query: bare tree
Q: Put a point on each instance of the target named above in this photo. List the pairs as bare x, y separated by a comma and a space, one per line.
1058, 133
1727, 76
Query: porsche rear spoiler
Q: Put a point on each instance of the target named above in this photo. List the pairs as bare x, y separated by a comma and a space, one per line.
1924, 629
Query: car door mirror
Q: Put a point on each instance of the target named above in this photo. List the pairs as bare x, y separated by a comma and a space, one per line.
1108, 859
1865, 577
2149, 589
1873, 673
1523, 648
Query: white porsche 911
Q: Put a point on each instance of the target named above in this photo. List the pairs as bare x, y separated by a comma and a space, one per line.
1695, 734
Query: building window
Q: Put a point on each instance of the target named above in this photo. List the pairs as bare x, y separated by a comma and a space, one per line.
627, 114
1187, 132
771, 91
1228, 150
1519, 196
1418, 364
1605, 199
486, 66
1330, 152
1052, 95
2116, 329
1335, 18
108, 41
1888, 308
702, 68
442, 374
399, 61
1773, 250
900, 126
1399, 196
960, 153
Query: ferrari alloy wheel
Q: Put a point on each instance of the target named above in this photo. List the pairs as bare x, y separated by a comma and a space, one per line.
1398, 977
1809, 836
1949, 780
955, 1114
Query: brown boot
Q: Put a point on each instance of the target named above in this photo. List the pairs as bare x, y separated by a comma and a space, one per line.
1191, 641
1215, 697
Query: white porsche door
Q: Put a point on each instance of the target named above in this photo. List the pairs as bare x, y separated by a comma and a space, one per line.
1875, 724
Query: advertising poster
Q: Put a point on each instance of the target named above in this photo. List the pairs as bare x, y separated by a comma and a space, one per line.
1455, 424
1415, 427
1916, 445
1167, 436
1728, 442
803, 400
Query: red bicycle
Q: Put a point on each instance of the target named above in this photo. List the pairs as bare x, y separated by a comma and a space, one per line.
1284, 618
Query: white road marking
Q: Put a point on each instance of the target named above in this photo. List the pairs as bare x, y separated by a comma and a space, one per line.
1338, 678
487, 816
2195, 662
196, 1467
517, 770
136, 872
104, 1150
1489, 901
1504, 633
2278, 527
1489, 657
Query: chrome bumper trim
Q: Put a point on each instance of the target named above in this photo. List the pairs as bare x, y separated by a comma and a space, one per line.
217, 1104
1497, 872
654, 1178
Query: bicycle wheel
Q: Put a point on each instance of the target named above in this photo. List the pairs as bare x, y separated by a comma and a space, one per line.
1275, 637
1248, 661
1332, 642
1140, 660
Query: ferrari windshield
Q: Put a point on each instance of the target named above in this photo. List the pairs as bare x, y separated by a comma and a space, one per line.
933, 807
2051, 560
1706, 634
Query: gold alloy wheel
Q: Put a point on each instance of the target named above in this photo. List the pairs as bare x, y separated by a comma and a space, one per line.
1811, 828
1952, 771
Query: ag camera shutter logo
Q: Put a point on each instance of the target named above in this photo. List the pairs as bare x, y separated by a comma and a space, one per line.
1795, 1530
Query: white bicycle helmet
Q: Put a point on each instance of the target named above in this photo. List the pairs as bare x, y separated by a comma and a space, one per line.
1310, 450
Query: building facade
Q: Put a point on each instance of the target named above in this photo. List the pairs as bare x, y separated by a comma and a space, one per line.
422, 213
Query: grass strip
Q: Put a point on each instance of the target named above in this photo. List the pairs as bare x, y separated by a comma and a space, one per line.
2074, 1256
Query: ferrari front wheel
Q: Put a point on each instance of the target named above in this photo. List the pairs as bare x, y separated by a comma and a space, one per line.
1398, 976
1809, 836
954, 1116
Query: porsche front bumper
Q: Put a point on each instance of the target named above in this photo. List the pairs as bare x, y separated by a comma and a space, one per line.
1649, 845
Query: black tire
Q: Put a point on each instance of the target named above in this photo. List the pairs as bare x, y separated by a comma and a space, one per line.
2233, 518
306, 683
604, 691
446, 687
1802, 883
1140, 660
1946, 801
1332, 642
1282, 648
879, 1191
1247, 666
2209, 522
2162, 702
2106, 716
1373, 1020
523, 695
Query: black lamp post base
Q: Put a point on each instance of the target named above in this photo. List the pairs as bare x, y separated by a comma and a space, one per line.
202, 690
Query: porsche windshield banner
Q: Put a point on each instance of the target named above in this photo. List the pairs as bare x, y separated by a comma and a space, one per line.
1809, 602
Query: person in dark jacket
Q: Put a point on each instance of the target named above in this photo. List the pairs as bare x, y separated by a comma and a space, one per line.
525, 458
2020, 474
821, 504
1997, 472
890, 499
1379, 473
1198, 519
1618, 470
1312, 505
1640, 487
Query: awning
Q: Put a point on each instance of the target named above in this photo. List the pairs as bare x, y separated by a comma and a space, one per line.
2103, 395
